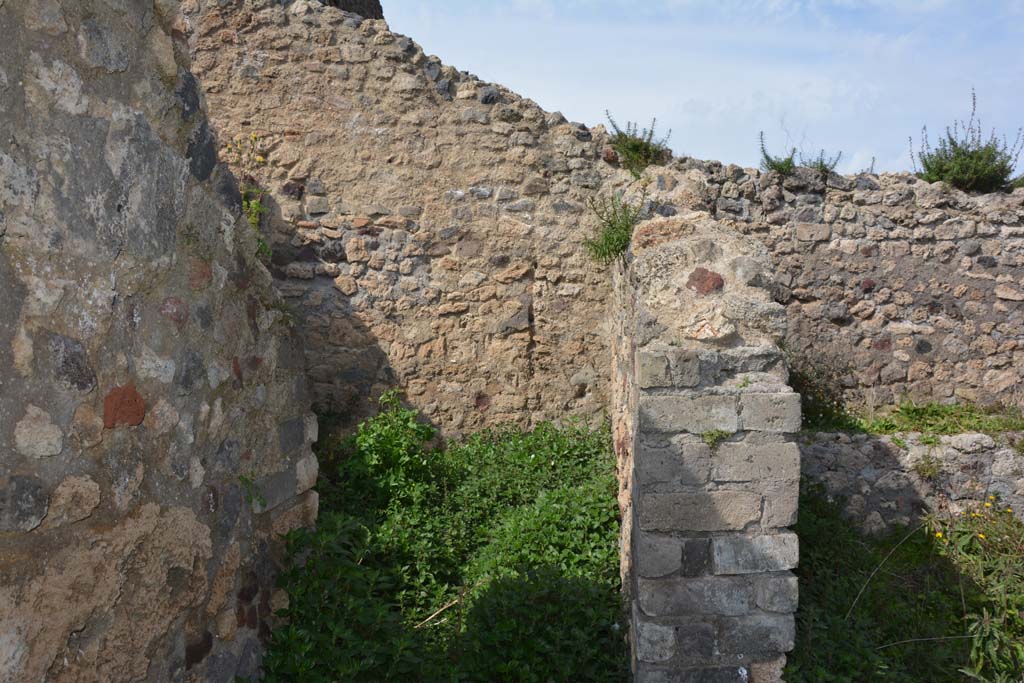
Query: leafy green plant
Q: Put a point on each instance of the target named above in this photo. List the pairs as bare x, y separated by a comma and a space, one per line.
715, 437
936, 419
342, 623
783, 165
885, 610
253, 208
617, 219
987, 546
637, 149
434, 557
541, 626
928, 467
966, 158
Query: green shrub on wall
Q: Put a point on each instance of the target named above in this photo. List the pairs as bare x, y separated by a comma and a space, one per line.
966, 158
637, 149
617, 218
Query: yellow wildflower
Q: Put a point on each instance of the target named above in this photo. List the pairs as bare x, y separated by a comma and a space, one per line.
938, 534
988, 505
981, 536
260, 159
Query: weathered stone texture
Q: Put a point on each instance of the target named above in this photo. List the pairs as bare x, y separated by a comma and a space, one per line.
887, 481
426, 226
896, 286
703, 418
130, 292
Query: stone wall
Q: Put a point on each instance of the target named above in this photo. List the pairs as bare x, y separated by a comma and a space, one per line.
426, 226
886, 481
898, 287
145, 367
703, 418
423, 220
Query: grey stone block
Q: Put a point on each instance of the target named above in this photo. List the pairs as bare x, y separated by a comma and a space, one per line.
689, 413
780, 506
721, 510
696, 556
709, 595
23, 503
652, 370
656, 554
729, 674
291, 435
756, 459
739, 554
683, 461
776, 412
757, 633
654, 642
777, 592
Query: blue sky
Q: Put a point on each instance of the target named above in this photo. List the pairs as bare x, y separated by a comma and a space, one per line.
853, 75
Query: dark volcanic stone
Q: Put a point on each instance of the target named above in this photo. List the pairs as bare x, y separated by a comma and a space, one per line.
71, 363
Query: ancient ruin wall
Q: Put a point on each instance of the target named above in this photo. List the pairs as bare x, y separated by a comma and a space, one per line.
426, 226
889, 481
893, 287
703, 422
154, 423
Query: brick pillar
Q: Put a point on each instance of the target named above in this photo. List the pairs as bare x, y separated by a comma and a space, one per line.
706, 416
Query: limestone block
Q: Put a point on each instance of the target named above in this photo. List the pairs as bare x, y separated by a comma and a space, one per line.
776, 592
683, 461
767, 632
775, 412
674, 596
689, 413
721, 510
654, 642
739, 554
756, 459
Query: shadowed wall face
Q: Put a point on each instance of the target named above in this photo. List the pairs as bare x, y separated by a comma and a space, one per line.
154, 422
703, 425
368, 9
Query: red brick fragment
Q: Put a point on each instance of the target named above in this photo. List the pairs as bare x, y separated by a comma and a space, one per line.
123, 406
704, 281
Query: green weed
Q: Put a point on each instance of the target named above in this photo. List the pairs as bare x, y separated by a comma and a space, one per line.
617, 219
935, 419
715, 437
987, 547
637, 149
428, 561
783, 165
824, 165
966, 158
886, 610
